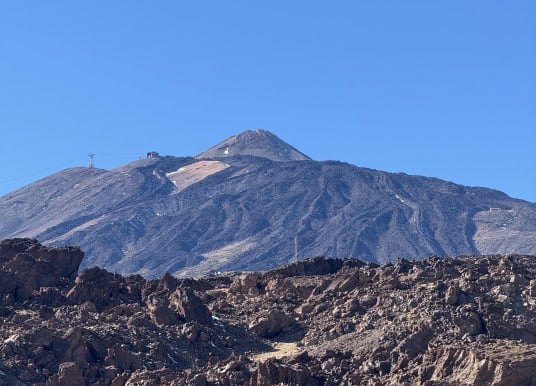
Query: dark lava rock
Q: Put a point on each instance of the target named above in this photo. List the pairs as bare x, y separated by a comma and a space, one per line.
189, 306
105, 289
310, 267
26, 265
461, 321
271, 323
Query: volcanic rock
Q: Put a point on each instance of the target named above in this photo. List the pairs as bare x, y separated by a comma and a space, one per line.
189, 306
271, 323
453, 321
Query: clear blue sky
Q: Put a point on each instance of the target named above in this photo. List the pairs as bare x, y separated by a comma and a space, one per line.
443, 88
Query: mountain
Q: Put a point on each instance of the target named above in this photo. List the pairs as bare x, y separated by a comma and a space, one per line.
241, 211
317, 322
259, 143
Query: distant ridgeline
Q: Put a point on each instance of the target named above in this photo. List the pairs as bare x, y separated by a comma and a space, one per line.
253, 202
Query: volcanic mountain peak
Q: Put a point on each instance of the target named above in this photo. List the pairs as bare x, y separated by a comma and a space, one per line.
259, 143
191, 216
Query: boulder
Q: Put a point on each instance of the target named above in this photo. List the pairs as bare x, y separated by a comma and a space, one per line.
451, 295
498, 364
120, 358
249, 284
159, 310
189, 306
311, 267
272, 372
469, 322
69, 374
271, 323
105, 289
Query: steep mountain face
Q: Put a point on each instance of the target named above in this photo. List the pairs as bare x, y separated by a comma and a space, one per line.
190, 216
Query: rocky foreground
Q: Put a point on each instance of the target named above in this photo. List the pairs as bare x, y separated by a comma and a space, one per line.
456, 321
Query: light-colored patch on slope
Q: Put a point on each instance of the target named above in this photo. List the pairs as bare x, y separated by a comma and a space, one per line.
218, 258
129, 250
280, 350
240, 172
230, 250
497, 233
79, 228
414, 219
193, 173
399, 198
33, 230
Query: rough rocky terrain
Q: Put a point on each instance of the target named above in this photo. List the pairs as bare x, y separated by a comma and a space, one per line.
260, 205
453, 321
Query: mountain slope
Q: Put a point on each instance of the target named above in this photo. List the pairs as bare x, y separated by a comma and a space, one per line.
241, 212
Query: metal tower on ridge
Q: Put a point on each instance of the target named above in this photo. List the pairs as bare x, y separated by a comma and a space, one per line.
91, 160
295, 257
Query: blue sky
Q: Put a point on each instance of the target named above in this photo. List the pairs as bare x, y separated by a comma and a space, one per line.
437, 88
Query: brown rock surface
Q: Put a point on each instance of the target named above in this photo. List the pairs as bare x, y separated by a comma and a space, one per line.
455, 321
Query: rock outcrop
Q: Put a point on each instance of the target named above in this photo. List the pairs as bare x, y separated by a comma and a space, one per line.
454, 321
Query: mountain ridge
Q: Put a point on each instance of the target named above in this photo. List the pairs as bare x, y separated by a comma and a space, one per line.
192, 216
